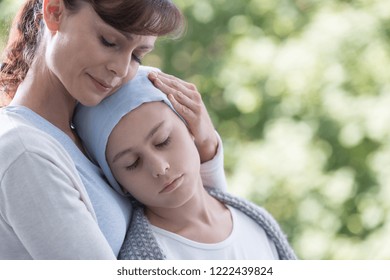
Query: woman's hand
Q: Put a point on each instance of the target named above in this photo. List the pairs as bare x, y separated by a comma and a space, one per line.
187, 101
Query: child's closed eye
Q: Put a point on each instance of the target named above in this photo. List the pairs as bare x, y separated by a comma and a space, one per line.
133, 165
166, 142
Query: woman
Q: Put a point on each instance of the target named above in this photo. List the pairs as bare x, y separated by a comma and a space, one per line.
54, 202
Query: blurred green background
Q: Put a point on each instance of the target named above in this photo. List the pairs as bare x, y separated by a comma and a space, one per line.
299, 90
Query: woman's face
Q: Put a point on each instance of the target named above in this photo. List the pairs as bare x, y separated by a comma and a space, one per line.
92, 59
153, 156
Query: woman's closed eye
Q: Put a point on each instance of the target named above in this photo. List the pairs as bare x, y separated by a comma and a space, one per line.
107, 43
137, 59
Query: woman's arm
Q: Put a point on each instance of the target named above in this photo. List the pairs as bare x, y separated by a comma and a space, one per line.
212, 171
41, 202
188, 102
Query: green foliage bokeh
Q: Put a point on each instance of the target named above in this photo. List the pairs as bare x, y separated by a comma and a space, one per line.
299, 91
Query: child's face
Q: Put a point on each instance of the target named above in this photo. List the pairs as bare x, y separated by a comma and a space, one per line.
153, 156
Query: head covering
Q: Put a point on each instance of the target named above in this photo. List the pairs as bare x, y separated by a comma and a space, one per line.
94, 124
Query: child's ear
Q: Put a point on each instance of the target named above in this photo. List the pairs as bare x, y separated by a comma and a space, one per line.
125, 192
52, 13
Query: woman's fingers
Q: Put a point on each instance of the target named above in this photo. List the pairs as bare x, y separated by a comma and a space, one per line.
182, 91
181, 96
188, 102
174, 81
183, 110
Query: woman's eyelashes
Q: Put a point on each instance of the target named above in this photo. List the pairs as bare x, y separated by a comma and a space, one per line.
110, 44
137, 59
107, 43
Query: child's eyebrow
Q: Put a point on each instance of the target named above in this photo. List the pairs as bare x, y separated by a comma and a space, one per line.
154, 130
129, 150
121, 154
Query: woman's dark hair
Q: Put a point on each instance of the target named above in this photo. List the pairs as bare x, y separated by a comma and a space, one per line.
141, 17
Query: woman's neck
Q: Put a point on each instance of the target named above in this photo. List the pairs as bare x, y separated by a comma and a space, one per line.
43, 93
202, 219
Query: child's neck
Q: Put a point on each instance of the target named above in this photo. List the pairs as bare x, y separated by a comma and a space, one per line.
202, 219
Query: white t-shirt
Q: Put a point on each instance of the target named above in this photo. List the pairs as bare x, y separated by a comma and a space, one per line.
247, 241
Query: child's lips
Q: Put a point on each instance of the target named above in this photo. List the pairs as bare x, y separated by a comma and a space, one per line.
172, 184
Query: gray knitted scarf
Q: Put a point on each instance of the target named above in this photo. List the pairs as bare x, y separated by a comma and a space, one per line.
140, 243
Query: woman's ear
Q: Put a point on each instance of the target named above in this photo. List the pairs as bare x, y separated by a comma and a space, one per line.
52, 12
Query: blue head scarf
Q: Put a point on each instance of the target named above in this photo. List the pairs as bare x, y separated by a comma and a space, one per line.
94, 124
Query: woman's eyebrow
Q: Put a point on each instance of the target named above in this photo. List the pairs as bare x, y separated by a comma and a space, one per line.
128, 36
147, 48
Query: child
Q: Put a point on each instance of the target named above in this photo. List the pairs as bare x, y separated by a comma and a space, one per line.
151, 155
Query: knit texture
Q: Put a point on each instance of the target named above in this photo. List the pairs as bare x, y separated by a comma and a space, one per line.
140, 243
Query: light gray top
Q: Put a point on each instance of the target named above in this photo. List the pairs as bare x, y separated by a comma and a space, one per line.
45, 211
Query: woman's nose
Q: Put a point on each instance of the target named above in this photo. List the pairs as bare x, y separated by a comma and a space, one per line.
120, 65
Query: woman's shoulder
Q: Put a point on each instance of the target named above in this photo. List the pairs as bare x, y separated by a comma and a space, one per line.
19, 137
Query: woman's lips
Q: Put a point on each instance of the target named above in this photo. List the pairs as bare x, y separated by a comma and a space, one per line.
100, 85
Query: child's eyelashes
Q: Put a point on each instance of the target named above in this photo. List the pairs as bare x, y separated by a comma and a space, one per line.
160, 145
166, 142
133, 165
